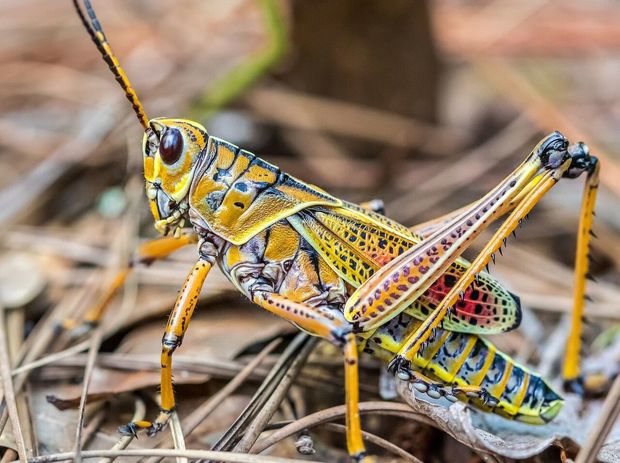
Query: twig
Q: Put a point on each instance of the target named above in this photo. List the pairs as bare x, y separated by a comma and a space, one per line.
94, 127
15, 326
598, 434
95, 343
177, 436
456, 174
379, 441
302, 111
219, 368
255, 428
41, 240
127, 230
124, 441
9, 392
9, 456
191, 454
232, 436
97, 415
329, 414
52, 358
205, 410
538, 106
43, 335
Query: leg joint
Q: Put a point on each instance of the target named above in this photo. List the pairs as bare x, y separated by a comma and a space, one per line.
339, 335
208, 250
169, 343
261, 288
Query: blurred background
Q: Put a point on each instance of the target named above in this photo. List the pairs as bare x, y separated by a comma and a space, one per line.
425, 105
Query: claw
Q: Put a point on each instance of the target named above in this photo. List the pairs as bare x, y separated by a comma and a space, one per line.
400, 367
68, 324
488, 399
74, 330
154, 429
362, 458
575, 386
492, 401
132, 429
592, 385
129, 429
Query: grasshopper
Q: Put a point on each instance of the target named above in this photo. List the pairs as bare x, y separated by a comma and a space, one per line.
349, 274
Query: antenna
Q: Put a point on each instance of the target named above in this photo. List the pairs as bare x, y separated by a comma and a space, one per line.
93, 26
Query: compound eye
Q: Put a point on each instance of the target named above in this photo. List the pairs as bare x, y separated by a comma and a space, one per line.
171, 146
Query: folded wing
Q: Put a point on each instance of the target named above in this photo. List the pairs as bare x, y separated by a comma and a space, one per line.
356, 242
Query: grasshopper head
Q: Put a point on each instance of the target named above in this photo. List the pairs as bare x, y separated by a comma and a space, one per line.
171, 149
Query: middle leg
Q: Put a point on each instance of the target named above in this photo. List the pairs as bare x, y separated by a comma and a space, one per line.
336, 330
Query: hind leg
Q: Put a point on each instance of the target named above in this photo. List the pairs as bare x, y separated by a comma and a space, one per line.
574, 381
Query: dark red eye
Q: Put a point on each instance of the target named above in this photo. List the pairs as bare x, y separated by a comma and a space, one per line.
171, 146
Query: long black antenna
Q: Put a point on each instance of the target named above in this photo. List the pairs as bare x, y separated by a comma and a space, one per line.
93, 26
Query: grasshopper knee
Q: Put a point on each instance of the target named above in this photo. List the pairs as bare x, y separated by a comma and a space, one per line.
169, 343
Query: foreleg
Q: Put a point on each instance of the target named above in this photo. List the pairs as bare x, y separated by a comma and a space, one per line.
178, 322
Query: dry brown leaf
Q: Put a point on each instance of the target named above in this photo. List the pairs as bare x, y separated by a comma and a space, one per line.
491, 433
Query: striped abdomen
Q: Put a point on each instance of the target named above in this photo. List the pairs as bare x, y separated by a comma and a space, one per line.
460, 359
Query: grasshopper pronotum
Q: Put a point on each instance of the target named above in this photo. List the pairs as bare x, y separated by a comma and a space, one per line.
346, 272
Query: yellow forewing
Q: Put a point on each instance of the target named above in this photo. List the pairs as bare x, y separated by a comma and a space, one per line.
239, 195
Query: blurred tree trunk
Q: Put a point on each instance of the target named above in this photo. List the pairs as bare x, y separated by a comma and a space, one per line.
376, 53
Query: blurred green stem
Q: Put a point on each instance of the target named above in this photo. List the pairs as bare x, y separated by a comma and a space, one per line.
234, 83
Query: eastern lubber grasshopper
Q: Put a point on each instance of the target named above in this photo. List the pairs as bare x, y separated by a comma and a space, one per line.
349, 274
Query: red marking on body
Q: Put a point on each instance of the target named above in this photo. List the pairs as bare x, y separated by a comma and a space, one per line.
472, 305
